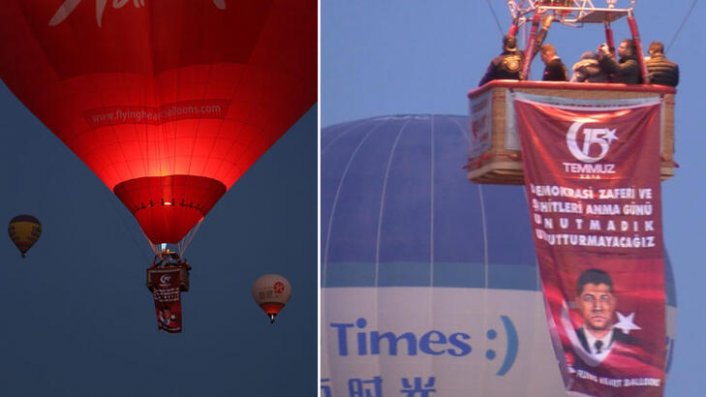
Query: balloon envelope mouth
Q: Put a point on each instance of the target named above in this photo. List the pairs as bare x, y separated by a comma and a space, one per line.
272, 308
167, 207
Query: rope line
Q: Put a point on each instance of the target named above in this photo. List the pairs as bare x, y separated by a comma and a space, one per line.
497, 21
683, 23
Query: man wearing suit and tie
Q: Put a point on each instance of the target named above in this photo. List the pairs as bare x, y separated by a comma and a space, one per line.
596, 302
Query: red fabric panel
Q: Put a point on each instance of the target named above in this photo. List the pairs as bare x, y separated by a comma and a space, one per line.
168, 207
272, 308
167, 297
565, 85
593, 184
160, 88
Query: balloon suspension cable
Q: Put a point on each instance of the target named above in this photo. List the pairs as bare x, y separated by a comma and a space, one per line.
512, 30
186, 241
156, 248
681, 26
530, 49
632, 23
609, 38
495, 15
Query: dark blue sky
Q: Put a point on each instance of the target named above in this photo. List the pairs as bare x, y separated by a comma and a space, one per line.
77, 319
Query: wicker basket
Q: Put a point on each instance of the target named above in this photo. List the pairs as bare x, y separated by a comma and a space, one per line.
495, 156
183, 275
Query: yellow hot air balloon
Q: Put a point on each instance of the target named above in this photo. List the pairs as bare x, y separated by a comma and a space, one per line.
271, 292
24, 231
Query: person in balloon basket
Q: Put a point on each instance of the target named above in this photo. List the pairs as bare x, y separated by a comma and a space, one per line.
166, 258
661, 70
554, 68
507, 65
627, 69
596, 302
587, 70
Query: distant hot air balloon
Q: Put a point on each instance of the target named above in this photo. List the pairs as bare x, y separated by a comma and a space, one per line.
24, 231
271, 292
429, 284
169, 103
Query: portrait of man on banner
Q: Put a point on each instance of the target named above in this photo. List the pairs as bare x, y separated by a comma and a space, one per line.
608, 335
169, 316
597, 302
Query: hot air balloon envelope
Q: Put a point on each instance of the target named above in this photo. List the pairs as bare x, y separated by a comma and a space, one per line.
24, 232
169, 103
271, 292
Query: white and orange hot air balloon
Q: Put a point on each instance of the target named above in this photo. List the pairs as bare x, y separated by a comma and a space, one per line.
271, 292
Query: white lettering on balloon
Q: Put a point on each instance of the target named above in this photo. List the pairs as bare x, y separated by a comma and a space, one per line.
70, 5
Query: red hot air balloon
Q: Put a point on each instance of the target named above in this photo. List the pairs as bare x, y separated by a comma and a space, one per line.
168, 102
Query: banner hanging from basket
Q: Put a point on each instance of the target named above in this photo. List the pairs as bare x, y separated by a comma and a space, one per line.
165, 285
592, 175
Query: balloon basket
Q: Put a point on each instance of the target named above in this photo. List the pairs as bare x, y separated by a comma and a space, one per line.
495, 156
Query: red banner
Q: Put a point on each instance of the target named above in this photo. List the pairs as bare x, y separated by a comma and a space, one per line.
593, 183
167, 297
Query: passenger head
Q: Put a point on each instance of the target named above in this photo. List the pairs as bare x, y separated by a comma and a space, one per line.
547, 52
589, 55
627, 48
509, 43
656, 47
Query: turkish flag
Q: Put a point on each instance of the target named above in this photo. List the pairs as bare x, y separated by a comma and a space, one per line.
592, 175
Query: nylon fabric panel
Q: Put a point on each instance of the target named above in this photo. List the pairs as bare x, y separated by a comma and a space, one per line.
358, 202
